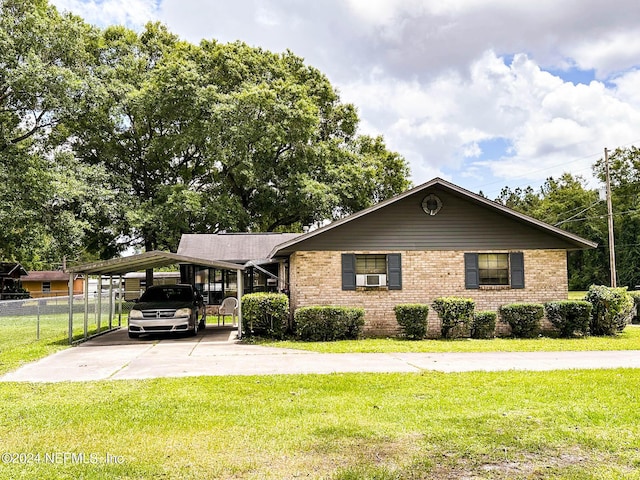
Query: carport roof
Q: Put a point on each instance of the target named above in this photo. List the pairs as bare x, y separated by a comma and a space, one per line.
143, 261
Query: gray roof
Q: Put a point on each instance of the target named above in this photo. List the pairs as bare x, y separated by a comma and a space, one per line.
232, 247
312, 239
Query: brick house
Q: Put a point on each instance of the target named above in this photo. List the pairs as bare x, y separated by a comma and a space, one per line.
435, 240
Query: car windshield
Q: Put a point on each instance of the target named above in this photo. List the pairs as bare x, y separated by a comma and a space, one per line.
170, 294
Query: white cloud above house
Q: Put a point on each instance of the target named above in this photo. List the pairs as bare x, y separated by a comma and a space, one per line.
485, 93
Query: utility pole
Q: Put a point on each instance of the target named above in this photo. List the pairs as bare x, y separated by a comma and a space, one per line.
612, 247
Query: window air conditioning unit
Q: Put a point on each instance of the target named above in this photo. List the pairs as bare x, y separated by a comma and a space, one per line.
272, 282
371, 280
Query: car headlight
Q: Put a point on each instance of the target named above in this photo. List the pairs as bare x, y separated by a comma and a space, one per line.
183, 312
135, 314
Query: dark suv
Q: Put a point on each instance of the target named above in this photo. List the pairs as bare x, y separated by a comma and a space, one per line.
167, 309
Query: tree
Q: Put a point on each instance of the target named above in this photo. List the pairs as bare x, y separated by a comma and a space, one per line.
625, 193
225, 137
566, 202
45, 64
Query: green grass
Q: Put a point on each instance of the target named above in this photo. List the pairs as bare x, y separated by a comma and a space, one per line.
563, 424
577, 295
20, 341
629, 339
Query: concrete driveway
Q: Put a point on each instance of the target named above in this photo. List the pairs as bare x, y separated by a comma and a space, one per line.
215, 351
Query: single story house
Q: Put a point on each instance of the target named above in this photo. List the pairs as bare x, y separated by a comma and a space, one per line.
435, 240
50, 283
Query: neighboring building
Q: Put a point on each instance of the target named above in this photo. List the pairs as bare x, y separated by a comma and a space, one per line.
10, 274
432, 241
50, 283
135, 283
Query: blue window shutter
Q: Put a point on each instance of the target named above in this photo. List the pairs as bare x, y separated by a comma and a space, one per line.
471, 273
516, 263
394, 270
348, 271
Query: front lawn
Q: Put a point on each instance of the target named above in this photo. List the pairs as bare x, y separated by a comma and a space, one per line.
629, 339
563, 424
23, 339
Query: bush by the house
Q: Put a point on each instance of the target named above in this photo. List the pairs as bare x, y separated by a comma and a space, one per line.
612, 309
636, 301
524, 318
570, 317
412, 318
456, 314
265, 314
483, 324
319, 324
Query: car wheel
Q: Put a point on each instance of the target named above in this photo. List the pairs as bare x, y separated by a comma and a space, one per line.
194, 332
134, 335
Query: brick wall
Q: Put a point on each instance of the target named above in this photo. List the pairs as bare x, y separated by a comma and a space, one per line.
316, 279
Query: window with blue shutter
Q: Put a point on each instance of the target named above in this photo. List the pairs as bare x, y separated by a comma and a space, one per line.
371, 271
494, 269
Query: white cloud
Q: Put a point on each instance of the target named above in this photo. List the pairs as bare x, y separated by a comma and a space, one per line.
133, 13
627, 88
443, 80
608, 54
553, 126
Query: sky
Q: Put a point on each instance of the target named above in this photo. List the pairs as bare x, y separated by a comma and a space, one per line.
483, 93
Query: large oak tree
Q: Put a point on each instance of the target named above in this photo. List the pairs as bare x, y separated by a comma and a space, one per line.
225, 137
46, 60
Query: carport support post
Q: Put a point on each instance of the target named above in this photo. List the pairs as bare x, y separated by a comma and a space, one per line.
99, 304
110, 301
70, 308
120, 297
240, 275
86, 306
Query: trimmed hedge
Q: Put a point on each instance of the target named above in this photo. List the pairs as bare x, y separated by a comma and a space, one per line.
321, 324
456, 314
636, 301
412, 318
524, 318
265, 314
484, 325
570, 317
612, 309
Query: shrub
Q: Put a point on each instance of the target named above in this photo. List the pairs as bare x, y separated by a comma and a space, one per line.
636, 301
483, 325
318, 324
570, 317
265, 314
412, 318
612, 309
524, 318
456, 314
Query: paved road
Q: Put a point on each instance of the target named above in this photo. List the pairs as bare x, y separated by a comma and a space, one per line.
214, 352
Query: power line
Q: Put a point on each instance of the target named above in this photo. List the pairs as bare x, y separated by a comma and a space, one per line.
580, 212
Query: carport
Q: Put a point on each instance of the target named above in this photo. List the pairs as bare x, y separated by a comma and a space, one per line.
117, 267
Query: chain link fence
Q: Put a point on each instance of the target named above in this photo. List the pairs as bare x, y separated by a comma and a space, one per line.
36, 319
